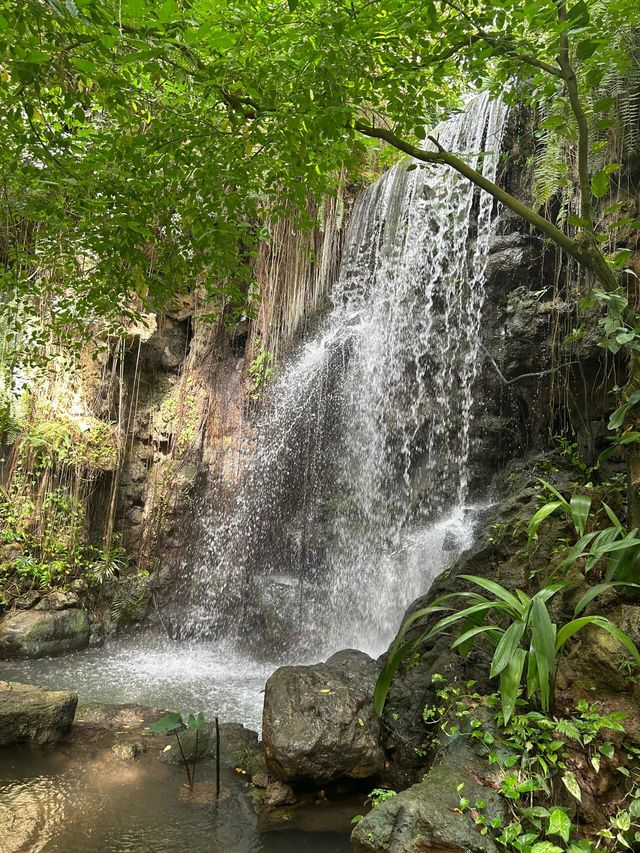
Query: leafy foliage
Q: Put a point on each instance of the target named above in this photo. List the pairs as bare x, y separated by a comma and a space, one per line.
534, 757
527, 650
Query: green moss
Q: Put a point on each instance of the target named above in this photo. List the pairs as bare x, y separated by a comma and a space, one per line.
54, 438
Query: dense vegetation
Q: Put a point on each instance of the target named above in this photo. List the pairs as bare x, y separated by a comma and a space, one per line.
144, 149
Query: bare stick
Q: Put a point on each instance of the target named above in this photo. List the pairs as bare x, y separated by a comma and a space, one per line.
217, 760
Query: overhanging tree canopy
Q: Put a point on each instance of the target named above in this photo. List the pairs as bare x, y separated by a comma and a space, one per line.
142, 141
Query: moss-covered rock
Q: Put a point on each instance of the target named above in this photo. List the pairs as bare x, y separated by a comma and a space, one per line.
427, 816
43, 633
28, 713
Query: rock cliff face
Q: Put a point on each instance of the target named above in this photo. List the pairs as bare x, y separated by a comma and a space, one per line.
192, 388
191, 385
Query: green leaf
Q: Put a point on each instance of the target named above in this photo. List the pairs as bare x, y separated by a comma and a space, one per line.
509, 642
37, 56
536, 520
571, 784
168, 723
195, 721
510, 679
600, 184
497, 590
543, 637
559, 824
587, 48
84, 65
604, 105
474, 632
595, 591
546, 847
385, 678
613, 518
580, 508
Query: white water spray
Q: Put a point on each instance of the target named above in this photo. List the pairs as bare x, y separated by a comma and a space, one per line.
355, 497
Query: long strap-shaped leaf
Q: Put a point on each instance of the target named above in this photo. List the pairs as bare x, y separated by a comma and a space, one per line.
543, 633
510, 679
497, 590
580, 508
571, 628
491, 630
506, 647
595, 591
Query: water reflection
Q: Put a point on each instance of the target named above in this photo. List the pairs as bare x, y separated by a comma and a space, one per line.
94, 803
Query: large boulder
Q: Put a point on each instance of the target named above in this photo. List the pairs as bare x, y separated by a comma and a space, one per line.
319, 724
32, 714
43, 633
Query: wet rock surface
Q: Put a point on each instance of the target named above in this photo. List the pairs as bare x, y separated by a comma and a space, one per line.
319, 724
39, 633
427, 816
27, 713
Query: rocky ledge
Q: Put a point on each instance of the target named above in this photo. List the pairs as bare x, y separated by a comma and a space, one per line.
28, 713
47, 627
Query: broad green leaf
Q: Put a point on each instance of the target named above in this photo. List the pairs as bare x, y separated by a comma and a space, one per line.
571, 784
600, 184
168, 723
559, 824
195, 721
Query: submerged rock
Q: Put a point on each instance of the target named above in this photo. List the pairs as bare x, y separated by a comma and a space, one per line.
29, 713
43, 633
319, 724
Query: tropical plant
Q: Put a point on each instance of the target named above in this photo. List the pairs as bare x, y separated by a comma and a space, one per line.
530, 757
528, 648
620, 547
576, 509
173, 724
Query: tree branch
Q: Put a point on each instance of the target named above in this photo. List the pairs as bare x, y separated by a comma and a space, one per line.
570, 246
503, 46
571, 83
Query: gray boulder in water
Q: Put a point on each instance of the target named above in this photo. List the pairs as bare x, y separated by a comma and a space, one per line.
319, 724
43, 633
29, 713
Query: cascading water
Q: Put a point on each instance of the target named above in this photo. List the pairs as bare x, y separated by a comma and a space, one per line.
355, 494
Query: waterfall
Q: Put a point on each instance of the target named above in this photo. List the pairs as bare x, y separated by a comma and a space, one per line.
356, 492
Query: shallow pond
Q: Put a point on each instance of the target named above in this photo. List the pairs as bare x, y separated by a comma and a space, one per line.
80, 798
85, 800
